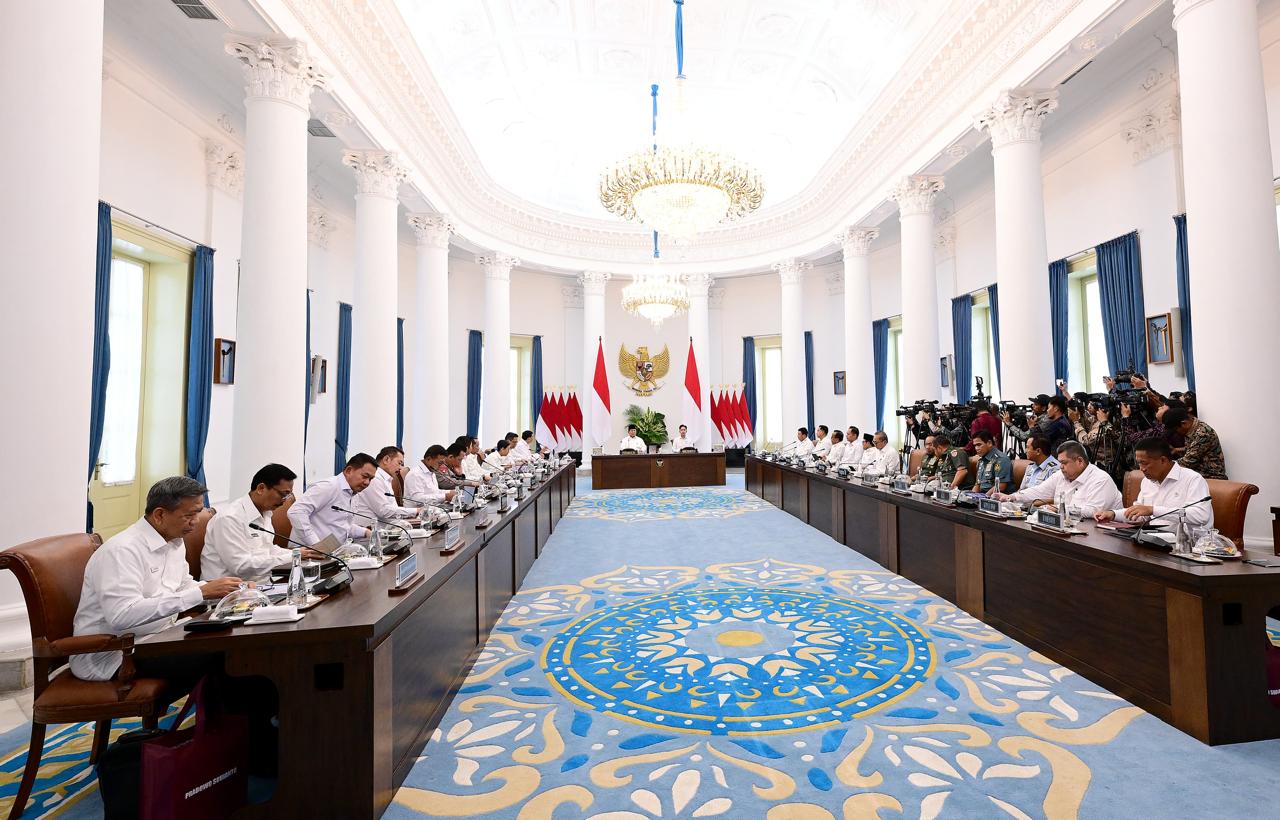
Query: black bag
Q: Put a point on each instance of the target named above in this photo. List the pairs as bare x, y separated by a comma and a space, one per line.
120, 774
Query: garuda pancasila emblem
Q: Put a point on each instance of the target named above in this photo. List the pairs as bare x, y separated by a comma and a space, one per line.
641, 371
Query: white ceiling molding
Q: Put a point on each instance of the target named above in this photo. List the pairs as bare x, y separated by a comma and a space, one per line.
368, 42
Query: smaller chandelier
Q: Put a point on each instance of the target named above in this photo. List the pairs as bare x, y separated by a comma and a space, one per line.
656, 296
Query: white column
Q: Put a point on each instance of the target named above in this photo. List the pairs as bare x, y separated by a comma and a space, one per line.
1231, 231
593, 287
859, 362
495, 395
699, 285
373, 311
795, 409
915, 196
1026, 362
51, 83
271, 316
427, 416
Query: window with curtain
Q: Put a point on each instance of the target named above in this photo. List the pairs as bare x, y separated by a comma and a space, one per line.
984, 349
119, 451
769, 426
893, 397
1086, 340
521, 374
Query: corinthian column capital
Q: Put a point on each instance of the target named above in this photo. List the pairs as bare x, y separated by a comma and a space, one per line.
698, 283
915, 194
1016, 116
432, 230
275, 67
856, 241
593, 282
378, 173
497, 266
792, 271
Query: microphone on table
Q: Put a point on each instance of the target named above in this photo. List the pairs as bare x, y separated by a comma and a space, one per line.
325, 586
1155, 542
427, 505
378, 520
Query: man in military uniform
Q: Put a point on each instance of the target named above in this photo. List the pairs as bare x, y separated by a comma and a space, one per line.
1203, 451
995, 470
953, 466
929, 465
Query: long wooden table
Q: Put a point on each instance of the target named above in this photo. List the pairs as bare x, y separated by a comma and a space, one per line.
365, 677
1185, 641
657, 470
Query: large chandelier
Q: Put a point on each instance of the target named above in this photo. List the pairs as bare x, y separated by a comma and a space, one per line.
656, 295
683, 189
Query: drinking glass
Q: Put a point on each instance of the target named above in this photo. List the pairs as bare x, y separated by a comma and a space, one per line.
310, 573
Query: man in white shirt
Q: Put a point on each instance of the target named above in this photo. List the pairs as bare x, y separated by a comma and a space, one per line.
473, 466
836, 453
1086, 487
802, 446
631, 441
855, 449
870, 455
513, 442
822, 445
312, 515
523, 452
1166, 486
499, 458
139, 581
422, 487
231, 548
886, 460
378, 499
681, 441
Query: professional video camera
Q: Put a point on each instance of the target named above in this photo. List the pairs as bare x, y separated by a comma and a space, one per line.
917, 408
1018, 413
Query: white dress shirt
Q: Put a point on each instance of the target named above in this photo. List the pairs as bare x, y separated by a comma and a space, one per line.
632, 443
821, 447
870, 456
421, 486
679, 443
136, 582
802, 448
497, 461
232, 549
1092, 491
854, 455
836, 454
312, 518
521, 454
473, 469
374, 501
1181, 486
886, 460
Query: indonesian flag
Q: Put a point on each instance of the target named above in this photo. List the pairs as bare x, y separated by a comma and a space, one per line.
692, 400
559, 425
744, 415
600, 411
732, 422
715, 413
541, 430
575, 422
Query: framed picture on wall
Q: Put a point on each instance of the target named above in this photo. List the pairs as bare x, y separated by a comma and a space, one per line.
945, 364
839, 382
318, 376
1160, 339
224, 361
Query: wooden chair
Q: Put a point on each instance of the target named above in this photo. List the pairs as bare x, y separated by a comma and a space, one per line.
1019, 472
397, 487
914, 461
195, 541
1230, 500
281, 524
51, 573
1132, 485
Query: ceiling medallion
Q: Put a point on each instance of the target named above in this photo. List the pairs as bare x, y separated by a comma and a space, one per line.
682, 189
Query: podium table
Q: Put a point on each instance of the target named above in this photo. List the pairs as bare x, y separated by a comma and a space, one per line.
657, 470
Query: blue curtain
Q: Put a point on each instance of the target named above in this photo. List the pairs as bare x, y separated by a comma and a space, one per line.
1058, 316
342, 427
880, 360
749, 377
1120, 293
199, 362
993, 296
101, 347
962, 335
535, 380
1184, 299
400, 383
808, 377
306, 400
475, 351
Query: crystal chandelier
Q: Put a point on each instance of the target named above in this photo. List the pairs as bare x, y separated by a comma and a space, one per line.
683, 189
656, 295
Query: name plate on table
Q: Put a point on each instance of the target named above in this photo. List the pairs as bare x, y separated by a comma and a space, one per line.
869, 480
990, 506
452, 539
902, 485
406, 574
944, 495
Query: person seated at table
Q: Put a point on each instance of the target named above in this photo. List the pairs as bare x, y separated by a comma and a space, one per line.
422, 486
631, 441
499, 457
870, 455
995, 470
836, 453
1042, 465
449, 471
138, 581
472, 464
513, 453
886, 461
953, 464
231, 548
855, 449
1084, 486
822, 444
1166, 486
802, 446
526, 447
681, 441
929, 463
374, 500
312, 515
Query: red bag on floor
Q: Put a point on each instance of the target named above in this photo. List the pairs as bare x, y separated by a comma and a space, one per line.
200, 773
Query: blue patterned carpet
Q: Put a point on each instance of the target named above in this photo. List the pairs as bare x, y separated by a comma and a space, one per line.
698, 653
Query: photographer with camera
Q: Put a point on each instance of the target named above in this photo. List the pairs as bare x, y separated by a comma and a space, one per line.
1202, 452
1105, 441
1022, 423
984, 421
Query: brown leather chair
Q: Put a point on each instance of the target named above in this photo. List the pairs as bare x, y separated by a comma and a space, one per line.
1019, 471
195, 541
914, 461
51, 573
281, 524
972, 477
397, 485
1230, 503
1132, 485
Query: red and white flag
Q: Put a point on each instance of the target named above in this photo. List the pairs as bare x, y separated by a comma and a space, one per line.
541, 430
575, 422
600, 410
732, 423
564, 435
744, 416
692, 399
715, 414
